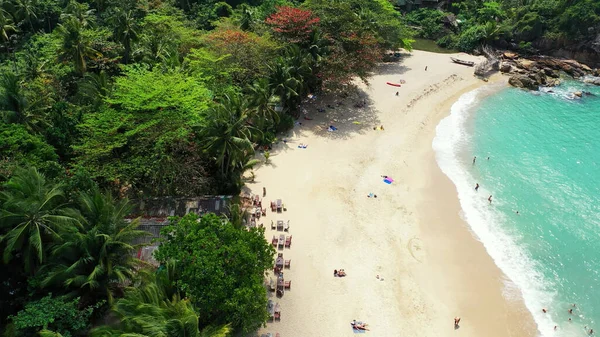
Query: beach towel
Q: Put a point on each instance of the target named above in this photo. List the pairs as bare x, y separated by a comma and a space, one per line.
302, 146
393, 84
388, 180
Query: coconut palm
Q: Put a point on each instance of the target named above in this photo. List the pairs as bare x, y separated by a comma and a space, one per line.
95, 87
263, 103
15, 107
6, 26
26, 10
75, 45
282, 82
34, 216
156, 308
99, 259
125, 31
80, 12
227, 136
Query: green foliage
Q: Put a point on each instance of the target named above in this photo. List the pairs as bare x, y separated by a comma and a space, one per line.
430, 22
158, 308
55, 313
19, 148
213, 254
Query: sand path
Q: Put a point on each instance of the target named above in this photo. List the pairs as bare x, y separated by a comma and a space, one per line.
412, 236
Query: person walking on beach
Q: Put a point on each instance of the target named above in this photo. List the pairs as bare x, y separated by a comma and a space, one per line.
476, 187
456, 321
474, 159
264, 192
490, 199
425, 68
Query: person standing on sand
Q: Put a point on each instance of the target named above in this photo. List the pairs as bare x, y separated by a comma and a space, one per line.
456, 321
476, 187
474, 159
264, 192
490, 199
425, 68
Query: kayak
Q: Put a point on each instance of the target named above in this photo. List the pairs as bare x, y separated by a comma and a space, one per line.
394, 84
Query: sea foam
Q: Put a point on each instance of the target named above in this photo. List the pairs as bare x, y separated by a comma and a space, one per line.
452, 148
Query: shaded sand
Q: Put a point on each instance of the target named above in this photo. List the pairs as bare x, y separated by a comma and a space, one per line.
411, 235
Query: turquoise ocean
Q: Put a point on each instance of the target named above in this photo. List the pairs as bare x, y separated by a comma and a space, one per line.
544, 162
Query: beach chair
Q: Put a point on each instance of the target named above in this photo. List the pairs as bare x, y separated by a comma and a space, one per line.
287, 285
279, 205
272, 225
288, 241
287, 264
286, 227
279, 225
274, 241
277, 312
273, 206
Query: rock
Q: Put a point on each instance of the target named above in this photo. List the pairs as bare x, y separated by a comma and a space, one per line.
553, 82
578, 93
596, 72
551, 73
526, 64
505, 67
510, 55
592, 80
521, 81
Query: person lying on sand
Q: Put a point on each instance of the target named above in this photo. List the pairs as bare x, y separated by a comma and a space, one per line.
359, 326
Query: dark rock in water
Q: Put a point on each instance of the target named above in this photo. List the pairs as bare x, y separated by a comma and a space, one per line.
521, 81
588, 93
505, 67
551, 73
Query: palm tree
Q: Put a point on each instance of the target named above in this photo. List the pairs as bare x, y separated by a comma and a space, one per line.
75, 46
227, 136
262, 101
157, 308
26, 9
95, 87
282, 82
80, 12
98, 260
125, 31
6, 26
15, 107
34, 216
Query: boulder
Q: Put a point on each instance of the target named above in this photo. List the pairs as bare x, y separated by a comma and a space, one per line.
578, 93
552, 82
521, 81
592, 80
510, 56
505, 67
551, 73
526, 64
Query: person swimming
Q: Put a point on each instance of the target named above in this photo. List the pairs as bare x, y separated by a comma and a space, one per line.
476, 186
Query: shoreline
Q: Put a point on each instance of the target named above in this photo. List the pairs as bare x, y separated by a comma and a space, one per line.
412, 235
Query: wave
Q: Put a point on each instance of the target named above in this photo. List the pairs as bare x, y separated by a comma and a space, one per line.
452, 145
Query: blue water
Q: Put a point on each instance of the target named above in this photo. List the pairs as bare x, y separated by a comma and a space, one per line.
544, 162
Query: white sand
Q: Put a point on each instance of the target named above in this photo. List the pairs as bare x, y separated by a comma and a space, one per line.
411, 235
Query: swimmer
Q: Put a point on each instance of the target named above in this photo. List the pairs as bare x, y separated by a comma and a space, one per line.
555, 328
490, 199
544, 310
476, 186
571, 311
474, 159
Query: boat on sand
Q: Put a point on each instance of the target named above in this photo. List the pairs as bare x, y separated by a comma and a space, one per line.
463, 62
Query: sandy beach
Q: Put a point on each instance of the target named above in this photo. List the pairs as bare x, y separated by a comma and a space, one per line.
431, 267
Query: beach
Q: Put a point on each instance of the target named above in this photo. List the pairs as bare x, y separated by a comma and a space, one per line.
412, 263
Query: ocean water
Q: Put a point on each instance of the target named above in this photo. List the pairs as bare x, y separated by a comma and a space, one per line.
544, 162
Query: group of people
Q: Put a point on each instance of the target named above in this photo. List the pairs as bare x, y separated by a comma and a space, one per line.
359, 325
570, 311
339, 273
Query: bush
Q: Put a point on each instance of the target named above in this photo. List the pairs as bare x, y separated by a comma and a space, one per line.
286, 123
448, 41
470, 38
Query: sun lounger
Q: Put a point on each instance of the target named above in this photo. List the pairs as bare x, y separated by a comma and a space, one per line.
288, 241
279, 225
287, 263
274, 241
279, 205
287, 284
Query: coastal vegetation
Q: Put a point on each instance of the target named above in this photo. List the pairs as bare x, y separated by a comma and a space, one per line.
524, 26
101, 101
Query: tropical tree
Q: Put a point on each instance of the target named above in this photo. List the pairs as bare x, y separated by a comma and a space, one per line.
6, 26
98, 260
282, 81
158, 308
263, 103
17, 108
233, 290
75, 44
80, 12
26, 9
95, 88
227, 134
125, 30
34, 216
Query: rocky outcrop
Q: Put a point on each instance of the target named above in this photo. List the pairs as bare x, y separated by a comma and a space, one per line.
531, 73
592, 80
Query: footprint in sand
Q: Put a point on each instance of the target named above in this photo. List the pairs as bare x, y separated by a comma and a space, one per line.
415, 247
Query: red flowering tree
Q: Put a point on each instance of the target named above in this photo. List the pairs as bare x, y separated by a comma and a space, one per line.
293, 24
